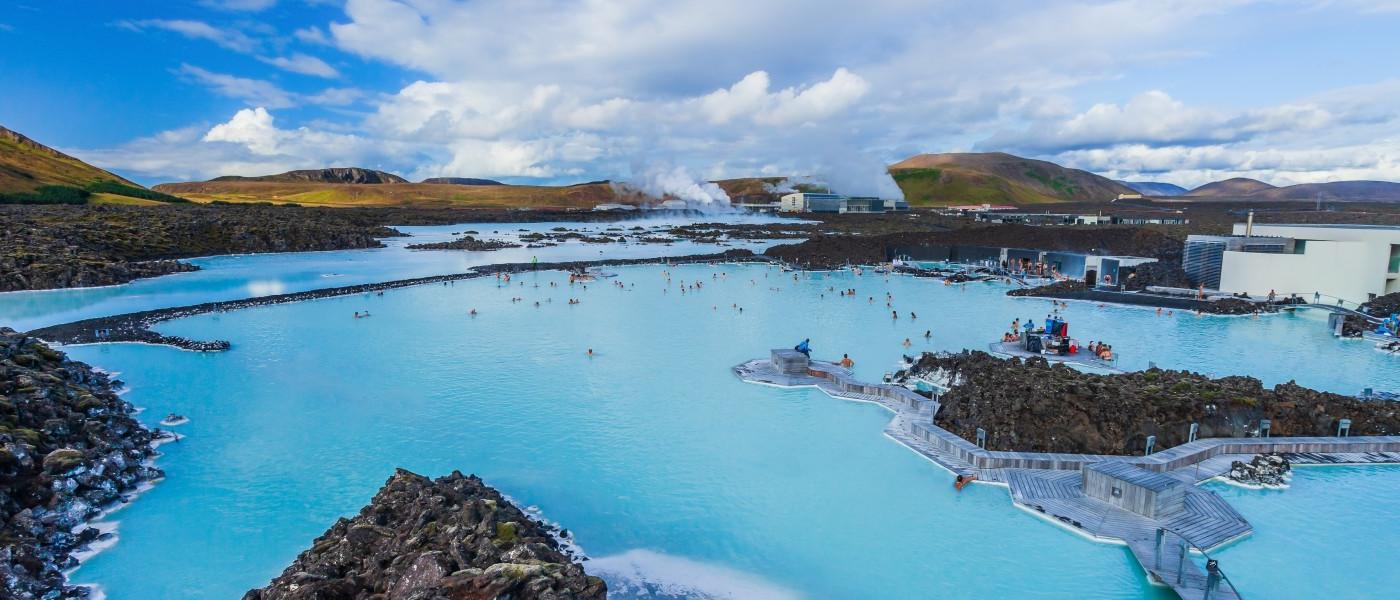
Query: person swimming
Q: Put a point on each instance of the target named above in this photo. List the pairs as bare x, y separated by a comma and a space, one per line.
846, 361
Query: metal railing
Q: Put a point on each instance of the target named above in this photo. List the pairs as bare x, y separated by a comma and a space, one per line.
1215, 576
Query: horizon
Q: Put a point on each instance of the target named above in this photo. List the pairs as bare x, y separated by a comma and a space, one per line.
548, 93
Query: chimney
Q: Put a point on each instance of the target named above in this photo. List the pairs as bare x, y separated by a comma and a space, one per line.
1249, 224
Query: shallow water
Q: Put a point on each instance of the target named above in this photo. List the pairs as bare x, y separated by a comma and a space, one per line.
232, 277
666, 467
1330, 534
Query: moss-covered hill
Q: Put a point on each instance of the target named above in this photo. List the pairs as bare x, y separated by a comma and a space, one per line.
997, 178
32, 173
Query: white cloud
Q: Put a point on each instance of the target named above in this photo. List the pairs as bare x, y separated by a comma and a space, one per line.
303, 64
231, 39
254, 91
555, 88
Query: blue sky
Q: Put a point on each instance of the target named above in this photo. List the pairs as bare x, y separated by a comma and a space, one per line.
551, 91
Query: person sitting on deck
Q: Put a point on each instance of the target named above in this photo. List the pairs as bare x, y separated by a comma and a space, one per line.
846, 361
805, 347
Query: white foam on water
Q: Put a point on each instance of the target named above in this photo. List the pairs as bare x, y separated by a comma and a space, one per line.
645, 574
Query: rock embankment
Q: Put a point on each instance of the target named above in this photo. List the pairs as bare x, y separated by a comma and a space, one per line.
465, 242
79, 246
68, 447
454, 538
1035, 407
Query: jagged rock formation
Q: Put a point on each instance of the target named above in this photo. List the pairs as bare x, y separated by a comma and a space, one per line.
328, 175
454, 538
68, 446
1033, 406
465, 242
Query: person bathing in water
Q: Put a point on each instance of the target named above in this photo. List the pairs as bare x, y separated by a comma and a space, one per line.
846, 361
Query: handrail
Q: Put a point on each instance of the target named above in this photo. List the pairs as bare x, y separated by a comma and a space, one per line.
1188, 545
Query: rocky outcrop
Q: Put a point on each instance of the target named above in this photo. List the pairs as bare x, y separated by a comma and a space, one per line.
465, 242
68, 447
1035, 407
1052, 290
453, 538
330, 175
77, 246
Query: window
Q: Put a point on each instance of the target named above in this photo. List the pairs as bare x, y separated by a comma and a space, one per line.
1117, 492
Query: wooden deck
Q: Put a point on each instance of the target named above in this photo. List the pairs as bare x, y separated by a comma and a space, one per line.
1052, 484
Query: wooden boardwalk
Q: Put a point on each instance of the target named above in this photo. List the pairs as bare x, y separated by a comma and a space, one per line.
1051, 485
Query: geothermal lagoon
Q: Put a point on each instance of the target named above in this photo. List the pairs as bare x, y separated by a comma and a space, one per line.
674, 477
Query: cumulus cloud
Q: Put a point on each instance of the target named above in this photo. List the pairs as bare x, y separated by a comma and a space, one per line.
557, 89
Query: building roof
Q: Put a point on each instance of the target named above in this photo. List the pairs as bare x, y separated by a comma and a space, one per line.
1138, 476
1328, 226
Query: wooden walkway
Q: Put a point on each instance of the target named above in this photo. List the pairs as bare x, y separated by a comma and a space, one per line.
1051, 484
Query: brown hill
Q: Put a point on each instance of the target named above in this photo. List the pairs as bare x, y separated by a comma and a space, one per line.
1344, 191
429, 195
354, 175
997, 178
1231, 188
26, 165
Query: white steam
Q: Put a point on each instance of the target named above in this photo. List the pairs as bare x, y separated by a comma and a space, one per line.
666, 182
847, 173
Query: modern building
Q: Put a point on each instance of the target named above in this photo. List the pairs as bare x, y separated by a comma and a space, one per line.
836, 203
862, 204
609, 206
1353, 263
896, 205
1025, 218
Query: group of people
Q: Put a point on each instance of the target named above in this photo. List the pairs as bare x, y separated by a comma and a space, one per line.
361, 315
1103, 351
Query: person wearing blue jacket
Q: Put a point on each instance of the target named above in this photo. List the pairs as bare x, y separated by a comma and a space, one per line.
805, 347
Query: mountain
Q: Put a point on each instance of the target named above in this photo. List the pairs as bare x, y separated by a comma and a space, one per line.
1154, 188
997, 178
461, 181
26, 165
1231, 188
355, 175
1344, 191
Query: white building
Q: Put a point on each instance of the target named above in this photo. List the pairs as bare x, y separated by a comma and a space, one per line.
1349, 262
810, 202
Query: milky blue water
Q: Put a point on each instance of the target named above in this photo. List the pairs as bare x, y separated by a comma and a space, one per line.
1331, 534
667, 468
232, 277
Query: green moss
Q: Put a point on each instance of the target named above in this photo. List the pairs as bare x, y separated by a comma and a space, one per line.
506, 533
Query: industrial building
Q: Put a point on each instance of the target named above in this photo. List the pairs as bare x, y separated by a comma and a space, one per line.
837, 203
1352, 263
